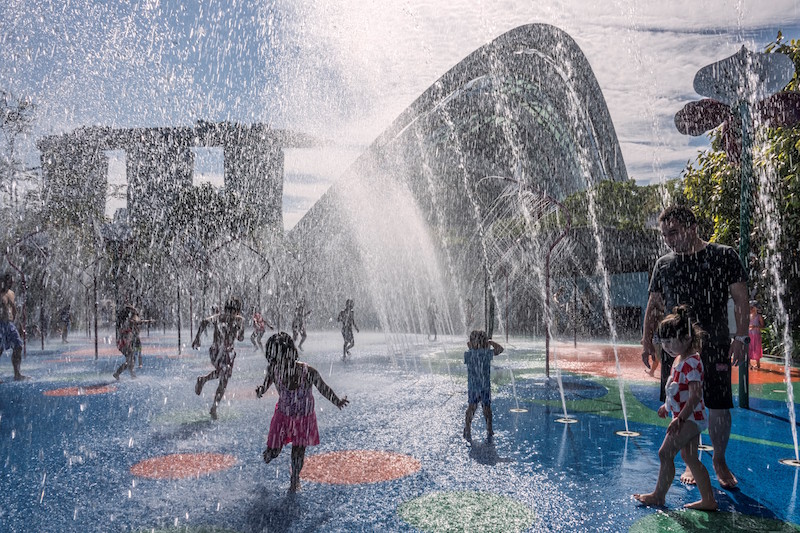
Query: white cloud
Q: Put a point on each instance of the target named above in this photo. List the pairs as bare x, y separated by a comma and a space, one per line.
345, 70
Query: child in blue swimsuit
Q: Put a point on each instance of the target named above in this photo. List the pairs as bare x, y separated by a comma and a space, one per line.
479, 386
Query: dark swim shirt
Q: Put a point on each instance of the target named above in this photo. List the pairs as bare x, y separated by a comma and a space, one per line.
701, 280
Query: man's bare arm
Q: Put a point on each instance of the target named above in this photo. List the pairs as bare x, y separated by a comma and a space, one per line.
741, 315
655, 308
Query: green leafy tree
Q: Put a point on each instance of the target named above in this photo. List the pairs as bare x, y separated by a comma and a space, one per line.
711, 185
621, 204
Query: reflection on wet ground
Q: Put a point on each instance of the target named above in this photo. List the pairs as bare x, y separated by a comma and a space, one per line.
394, 460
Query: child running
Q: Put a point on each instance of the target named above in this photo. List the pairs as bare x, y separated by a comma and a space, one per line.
299, 323
128, 341
260, 325
682, 339
347, 318
294, 419
479, 385
228, 328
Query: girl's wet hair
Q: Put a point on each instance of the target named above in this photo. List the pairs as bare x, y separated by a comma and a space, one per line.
681, 323
478, 339
279, 345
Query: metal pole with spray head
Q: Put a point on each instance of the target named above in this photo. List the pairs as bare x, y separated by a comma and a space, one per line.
737, 83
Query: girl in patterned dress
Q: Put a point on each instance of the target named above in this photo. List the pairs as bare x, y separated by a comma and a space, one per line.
682, 339
294, 419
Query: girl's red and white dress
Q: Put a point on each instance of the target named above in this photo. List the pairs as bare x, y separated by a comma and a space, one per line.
689, 369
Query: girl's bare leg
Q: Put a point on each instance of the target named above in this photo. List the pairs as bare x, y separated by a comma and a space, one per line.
270, 454
666, 454
707, 501
487, 414
298, 457
468, 420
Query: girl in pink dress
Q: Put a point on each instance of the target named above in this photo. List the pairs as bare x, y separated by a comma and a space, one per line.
681, 338
294, 419
756, 350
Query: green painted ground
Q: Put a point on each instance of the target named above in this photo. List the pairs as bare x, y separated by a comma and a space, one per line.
450, 512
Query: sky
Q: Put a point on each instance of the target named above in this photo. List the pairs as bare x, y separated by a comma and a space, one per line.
344, 70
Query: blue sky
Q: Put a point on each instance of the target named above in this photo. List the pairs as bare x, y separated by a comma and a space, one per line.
345, 69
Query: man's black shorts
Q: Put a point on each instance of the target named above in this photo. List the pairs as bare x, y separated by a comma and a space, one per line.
717, 390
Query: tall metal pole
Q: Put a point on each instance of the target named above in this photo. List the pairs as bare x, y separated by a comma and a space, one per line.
746, 170
179, 312
547, 318
575, 309
94, 278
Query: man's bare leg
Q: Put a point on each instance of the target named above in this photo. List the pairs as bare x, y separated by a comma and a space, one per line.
719, 428
707, 501
688, 477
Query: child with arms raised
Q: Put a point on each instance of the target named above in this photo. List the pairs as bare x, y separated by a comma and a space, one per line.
294, 419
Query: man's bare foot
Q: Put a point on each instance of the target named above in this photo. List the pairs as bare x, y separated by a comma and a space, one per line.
687, 478
726, 478
294, 486
728, 482
214, 413
702, 505
650, 499
20, 377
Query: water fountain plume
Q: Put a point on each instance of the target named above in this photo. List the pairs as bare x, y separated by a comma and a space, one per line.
766, 176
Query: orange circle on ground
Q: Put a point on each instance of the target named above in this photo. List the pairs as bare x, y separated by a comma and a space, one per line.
351, 467
81, 391
182, 465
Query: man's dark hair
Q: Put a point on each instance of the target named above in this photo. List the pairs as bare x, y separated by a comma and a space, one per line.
8, 276
679, 213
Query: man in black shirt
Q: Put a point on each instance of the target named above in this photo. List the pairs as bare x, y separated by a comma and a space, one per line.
702, 274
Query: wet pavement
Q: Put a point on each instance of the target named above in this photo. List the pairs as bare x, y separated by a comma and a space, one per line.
80, 451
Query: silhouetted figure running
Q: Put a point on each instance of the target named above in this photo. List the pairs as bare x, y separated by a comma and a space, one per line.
128, 341
432, 316
65, 317
228, 328
299, 323
260, 325
348, 321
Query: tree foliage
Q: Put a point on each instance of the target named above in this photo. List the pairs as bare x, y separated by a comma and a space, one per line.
712, 187
621, 204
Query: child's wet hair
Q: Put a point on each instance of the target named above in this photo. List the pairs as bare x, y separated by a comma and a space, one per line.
279, 345
681, 324
478, 339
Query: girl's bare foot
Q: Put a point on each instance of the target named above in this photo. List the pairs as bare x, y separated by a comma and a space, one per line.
650, 499
702, 505
687, 477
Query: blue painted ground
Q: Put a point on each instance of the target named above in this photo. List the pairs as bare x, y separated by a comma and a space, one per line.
65, 461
